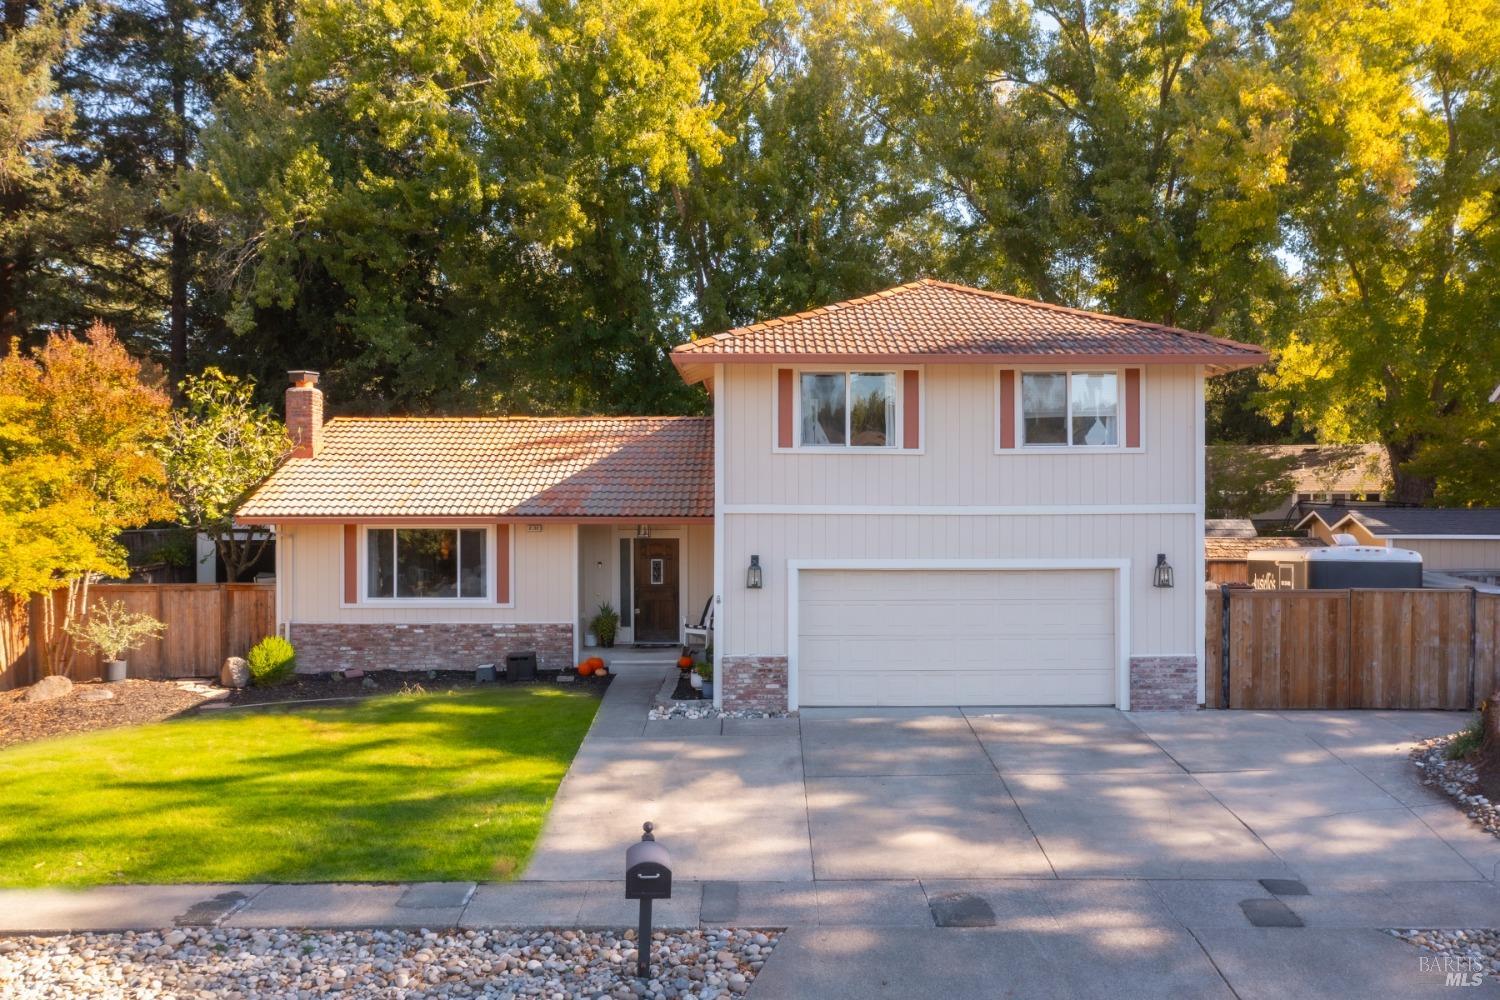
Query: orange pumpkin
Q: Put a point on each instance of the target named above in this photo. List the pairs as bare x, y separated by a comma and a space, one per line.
585, 668
685, 663
597, 662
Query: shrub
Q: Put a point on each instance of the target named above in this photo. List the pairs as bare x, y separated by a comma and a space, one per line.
272, 661
1468, 740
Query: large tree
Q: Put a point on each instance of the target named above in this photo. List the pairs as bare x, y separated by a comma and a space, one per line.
447, 206
1397, 226
80, 421
56, 219
1126, 155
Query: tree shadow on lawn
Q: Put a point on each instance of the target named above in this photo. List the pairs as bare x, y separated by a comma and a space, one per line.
400, 788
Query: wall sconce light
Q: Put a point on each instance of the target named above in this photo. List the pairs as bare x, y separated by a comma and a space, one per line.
1162, 577
752, 575
643, 531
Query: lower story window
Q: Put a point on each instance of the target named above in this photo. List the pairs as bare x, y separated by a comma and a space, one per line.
426, 563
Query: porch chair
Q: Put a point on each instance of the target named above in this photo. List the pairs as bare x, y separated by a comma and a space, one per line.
697, 635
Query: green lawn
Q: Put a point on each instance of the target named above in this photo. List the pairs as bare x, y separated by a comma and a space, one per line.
405, 787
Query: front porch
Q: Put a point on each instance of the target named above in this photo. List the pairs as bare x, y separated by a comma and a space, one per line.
654, 575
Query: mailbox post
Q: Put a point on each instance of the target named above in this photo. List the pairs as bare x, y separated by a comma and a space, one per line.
648, 876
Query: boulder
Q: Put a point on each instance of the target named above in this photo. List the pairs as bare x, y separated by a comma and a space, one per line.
235, 673
56, 686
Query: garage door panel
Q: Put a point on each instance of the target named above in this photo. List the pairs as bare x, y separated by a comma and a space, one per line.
968, 637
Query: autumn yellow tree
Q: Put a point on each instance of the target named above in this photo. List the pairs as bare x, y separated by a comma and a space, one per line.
79, 423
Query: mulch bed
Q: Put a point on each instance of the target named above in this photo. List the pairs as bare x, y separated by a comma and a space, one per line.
135, 702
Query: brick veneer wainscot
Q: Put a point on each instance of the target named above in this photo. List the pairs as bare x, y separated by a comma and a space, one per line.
323, 648
1163, 683
754, 683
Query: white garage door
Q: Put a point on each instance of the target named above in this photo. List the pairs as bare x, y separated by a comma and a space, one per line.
956, 637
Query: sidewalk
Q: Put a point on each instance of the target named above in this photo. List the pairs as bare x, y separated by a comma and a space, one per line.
1045, 937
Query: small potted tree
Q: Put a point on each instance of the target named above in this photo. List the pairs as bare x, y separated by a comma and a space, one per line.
112, 631
705, 671
605, 623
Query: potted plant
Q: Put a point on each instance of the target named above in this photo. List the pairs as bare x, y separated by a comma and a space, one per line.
112, 631
605, 623
705, 674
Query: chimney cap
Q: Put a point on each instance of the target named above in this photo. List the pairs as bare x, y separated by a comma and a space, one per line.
303, 378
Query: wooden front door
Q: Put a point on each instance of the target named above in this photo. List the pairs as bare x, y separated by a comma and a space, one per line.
656, 610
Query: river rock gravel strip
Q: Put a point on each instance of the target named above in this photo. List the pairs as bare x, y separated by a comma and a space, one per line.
1465, 951
234, 964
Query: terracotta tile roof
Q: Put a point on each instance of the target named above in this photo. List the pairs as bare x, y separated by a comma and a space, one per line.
937, 320
488, 466
1234, 549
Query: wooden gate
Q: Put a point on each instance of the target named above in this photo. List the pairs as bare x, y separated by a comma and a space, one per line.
1412, 649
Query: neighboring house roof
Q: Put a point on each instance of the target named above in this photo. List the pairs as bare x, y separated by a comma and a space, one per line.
1334, 468
572, 467
1458, 522
1235, 549
1229, 527
935, 321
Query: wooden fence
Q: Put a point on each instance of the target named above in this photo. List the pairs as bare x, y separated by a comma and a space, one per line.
1412, 649
205, 623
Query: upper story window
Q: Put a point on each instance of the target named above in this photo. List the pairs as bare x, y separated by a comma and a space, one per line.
426, 563
1070, 409
848, 409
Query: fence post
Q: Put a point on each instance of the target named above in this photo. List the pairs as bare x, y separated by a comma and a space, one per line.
1473, 644
1224, 649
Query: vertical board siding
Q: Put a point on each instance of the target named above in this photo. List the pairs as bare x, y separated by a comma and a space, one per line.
1335, 649
541, 588
1162, 621
958, 463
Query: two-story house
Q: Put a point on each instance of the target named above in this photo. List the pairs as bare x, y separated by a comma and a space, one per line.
934, 495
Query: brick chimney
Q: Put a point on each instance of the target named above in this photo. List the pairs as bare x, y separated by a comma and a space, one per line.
304, 414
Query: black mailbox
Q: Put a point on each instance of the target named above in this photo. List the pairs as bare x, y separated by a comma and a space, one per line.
648, 869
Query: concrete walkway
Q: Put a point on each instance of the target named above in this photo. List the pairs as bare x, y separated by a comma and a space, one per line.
974, 853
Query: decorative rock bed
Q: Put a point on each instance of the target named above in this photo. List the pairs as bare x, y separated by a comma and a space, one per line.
706, 710
1466, 952
1456, 779
387, 964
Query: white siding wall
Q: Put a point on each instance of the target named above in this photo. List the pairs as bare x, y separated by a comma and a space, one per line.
312, 575
1162, 622
1441, 554
959, 467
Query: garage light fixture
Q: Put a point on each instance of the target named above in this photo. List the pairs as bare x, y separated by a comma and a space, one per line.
752, 575
1163, 575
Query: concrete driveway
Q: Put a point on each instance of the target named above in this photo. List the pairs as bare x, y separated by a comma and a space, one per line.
892, 794
1035, 853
